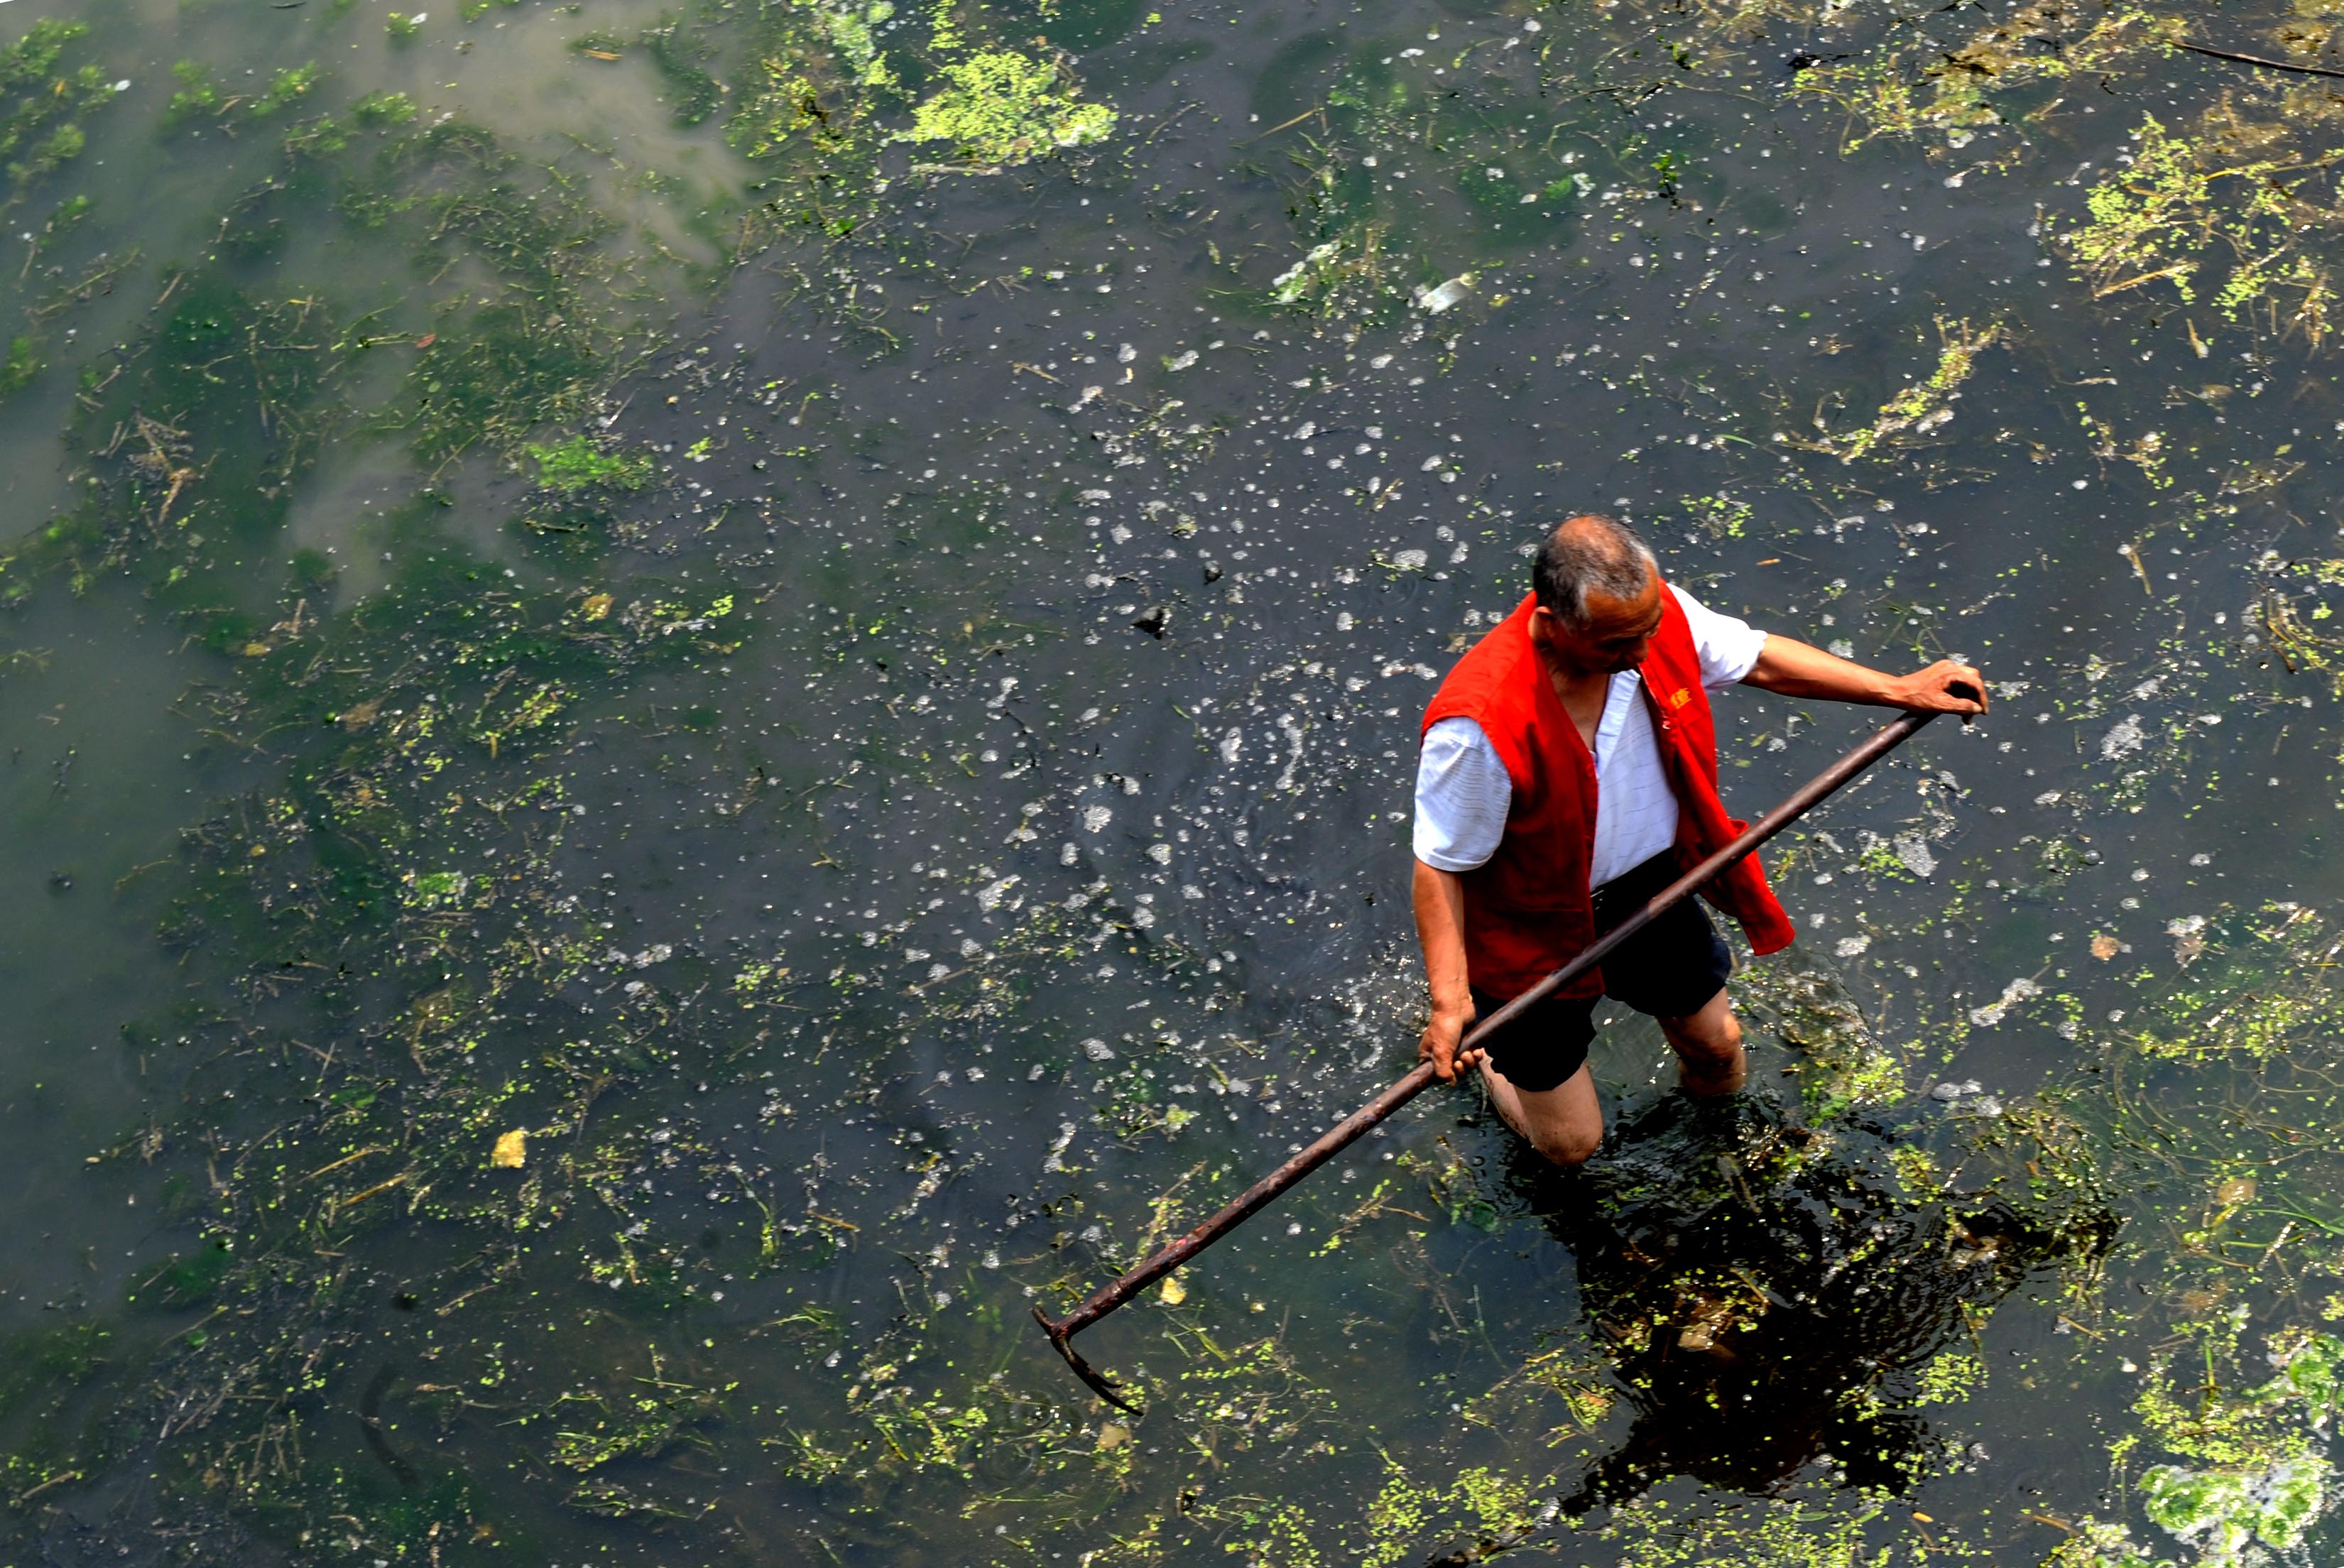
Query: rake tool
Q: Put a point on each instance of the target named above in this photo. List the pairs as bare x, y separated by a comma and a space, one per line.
1332, 1142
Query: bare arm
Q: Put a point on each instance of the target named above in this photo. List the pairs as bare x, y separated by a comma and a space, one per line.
1796, 670
1440, 899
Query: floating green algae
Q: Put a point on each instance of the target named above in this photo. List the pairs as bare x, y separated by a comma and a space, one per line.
2262, 991
1844, 1062
195, 438
2226, 1514
402, 1126
1002, 107
2229, 1456
2259, 1481
1395, 189
23, 363
41, 106
578, 463
2095, 1543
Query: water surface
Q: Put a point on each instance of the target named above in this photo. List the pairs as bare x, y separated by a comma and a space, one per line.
823, 613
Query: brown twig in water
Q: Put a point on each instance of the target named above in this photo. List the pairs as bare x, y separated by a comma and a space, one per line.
346, 1159
60, 1478
343, 1206
2268, 64
1282, 124
1166, 123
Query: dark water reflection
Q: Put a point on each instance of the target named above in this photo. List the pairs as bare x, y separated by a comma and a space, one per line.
1771, 1299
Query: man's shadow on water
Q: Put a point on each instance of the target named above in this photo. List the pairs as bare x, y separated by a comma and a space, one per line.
1768, 1295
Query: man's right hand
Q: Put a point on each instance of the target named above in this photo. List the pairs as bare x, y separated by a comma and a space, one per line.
1438, 1045
1440, 899
1947, 686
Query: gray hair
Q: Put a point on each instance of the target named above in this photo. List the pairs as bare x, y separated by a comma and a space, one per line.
1589, 550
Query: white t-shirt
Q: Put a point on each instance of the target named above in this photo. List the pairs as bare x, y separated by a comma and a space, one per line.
1462, 792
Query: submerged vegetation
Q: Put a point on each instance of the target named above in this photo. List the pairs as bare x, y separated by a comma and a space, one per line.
41, 130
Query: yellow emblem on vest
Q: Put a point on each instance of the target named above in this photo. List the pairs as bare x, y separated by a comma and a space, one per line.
1680, 697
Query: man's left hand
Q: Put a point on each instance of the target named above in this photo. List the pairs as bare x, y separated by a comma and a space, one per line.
1947, 686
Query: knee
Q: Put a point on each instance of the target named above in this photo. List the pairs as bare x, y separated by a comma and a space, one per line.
1568, 1150
1719, 1041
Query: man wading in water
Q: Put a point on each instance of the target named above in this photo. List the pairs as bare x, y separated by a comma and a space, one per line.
1569, 773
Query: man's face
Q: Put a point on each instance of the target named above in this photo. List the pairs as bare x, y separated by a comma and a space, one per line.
1617, 635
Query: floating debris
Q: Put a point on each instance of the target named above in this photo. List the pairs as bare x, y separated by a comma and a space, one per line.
2023, 989
1456, 291
2189, 937
2123, 739
1913, 852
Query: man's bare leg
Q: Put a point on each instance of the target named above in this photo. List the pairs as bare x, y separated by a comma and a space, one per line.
1565, 1123
1708, 1048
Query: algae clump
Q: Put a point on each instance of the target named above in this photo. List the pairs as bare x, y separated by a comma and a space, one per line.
2262, 1484
23, 363
577, 464
2225, 1513
2098, 1545
1002, 107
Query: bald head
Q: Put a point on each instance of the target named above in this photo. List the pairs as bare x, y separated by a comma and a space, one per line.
1591, 555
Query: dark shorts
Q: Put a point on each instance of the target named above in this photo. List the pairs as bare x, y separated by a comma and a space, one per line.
1670, 969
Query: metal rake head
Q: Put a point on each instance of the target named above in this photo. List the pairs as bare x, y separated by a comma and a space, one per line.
1107, 1387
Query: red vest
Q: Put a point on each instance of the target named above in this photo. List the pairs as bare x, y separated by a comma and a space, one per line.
1527, 910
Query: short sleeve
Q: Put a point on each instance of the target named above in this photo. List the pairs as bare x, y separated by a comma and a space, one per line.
1463, 797
1729, 648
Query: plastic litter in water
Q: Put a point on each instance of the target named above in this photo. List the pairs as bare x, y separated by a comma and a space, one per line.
1433, 301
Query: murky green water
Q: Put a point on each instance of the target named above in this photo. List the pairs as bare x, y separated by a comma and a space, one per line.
700, 699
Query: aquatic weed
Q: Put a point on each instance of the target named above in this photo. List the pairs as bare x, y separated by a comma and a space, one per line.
1998, 76
1922, 407
2159, 220
1000, 108
579, 464
36, 97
